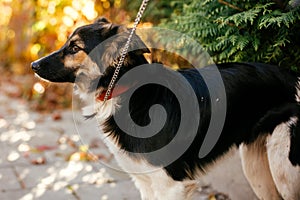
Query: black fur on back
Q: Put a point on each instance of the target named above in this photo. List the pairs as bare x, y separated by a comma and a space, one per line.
255, 92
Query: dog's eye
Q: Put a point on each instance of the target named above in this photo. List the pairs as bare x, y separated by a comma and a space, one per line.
75, 49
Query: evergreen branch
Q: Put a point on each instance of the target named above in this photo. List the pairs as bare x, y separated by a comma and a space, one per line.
230, 5
253, 31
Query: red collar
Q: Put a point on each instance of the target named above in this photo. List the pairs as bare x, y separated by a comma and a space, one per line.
116, 91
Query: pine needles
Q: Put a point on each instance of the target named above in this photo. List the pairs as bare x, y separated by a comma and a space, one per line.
232, 30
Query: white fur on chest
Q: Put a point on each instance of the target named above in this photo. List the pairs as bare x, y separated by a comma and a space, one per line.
128, 164
153, 182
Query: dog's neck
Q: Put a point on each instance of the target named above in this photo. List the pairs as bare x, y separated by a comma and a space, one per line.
131, 60
98, 88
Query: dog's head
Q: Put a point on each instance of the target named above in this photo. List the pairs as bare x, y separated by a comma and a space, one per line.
91, 52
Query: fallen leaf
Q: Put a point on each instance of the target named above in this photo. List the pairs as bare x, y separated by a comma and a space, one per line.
77, 156
92, 157
39, 161
83, 156
45, 148
56, 116
67, 140
212, 197
26, 154
84, 148
95, 143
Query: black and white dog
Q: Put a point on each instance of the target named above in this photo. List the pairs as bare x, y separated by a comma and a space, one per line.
262, 116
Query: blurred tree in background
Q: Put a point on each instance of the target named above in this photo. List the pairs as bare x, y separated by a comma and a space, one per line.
230, 30
30, 29
33, 28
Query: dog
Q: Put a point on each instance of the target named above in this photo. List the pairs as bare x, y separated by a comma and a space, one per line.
262, 115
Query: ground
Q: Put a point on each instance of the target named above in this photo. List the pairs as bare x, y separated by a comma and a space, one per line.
56, 156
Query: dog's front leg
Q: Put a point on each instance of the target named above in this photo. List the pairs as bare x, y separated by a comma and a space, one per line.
143, 184
157, 185
166, 188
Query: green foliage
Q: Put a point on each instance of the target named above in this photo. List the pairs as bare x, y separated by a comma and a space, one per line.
233, 31
156, 11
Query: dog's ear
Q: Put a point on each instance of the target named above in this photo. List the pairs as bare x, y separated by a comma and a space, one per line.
116, 43
113, 49
101, 20
137, 44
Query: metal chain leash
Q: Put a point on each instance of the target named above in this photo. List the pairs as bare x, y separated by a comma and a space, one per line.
125, 49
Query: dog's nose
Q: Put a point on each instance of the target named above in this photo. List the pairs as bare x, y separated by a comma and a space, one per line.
35, 66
